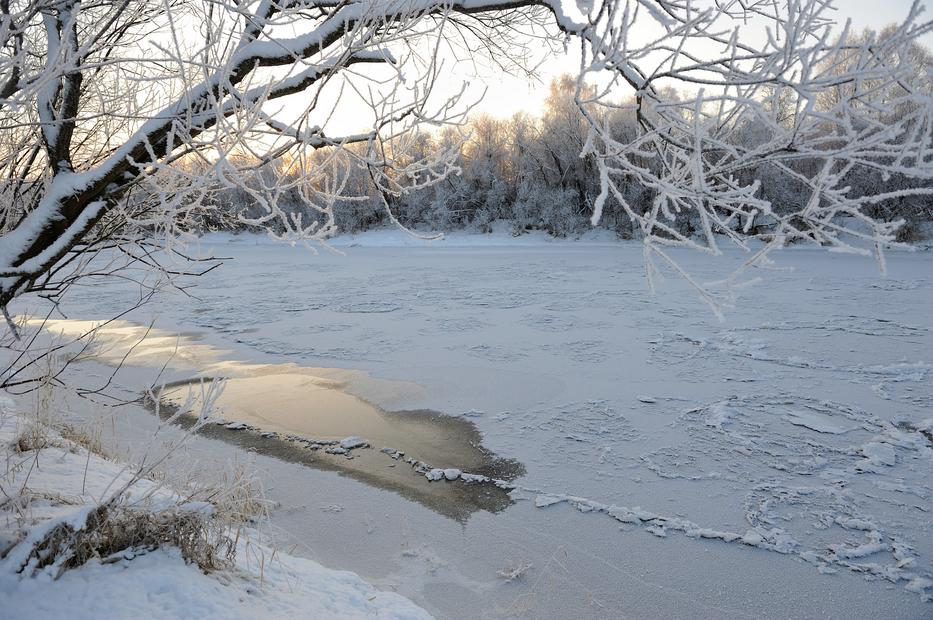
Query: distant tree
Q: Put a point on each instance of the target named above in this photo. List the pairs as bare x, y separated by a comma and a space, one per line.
101, 102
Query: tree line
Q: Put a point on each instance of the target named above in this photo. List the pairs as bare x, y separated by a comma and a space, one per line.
527, 172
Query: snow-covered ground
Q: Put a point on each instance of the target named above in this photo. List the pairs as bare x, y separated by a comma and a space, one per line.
62, 482
777, 464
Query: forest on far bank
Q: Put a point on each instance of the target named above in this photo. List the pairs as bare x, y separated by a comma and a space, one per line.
528, 171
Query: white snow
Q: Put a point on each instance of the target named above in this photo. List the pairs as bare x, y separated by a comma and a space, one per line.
263, 583
161, 585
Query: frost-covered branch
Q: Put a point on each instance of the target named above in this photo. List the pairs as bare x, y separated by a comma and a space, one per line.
216, 86
786, 96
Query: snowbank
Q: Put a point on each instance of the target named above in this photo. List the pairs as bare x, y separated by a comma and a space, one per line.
60, 483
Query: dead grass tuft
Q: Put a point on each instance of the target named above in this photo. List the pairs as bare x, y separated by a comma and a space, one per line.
116, 532
87, 438
31, 437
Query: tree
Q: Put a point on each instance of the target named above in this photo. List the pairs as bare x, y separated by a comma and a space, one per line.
114, 113
702, 161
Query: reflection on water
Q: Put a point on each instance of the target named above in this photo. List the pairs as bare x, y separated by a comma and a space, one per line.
281, 403
290, 405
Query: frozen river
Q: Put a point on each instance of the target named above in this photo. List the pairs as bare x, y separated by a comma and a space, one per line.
777, 464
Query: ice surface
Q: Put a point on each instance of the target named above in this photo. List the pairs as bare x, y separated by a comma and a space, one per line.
815, 422
783, 455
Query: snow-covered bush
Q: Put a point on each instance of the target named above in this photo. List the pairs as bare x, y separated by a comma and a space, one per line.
555, 210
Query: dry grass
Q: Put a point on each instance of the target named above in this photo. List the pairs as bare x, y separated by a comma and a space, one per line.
84, 436
206, 519
204, 524
31, 437
112, 533
237, 496
41, 435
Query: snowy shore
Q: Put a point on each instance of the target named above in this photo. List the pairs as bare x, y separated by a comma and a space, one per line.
63, 482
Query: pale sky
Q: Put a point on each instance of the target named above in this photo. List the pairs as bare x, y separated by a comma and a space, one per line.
507, 94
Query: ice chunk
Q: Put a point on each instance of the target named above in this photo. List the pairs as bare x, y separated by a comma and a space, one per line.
920, 585
544, 500
880, 453
719, 414
875, 544
815, 422
351, 443
474, 478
